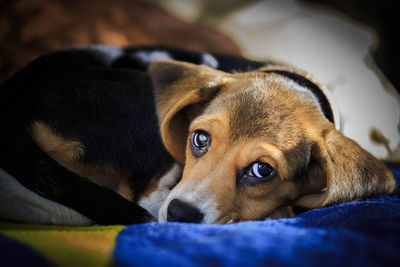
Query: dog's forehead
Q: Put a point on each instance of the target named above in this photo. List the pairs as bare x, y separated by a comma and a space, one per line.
258, 107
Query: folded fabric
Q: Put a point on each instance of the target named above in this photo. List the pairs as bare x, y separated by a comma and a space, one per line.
19, 204
364, 233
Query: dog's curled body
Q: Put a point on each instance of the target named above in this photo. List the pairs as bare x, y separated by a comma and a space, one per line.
88, 113
97, 130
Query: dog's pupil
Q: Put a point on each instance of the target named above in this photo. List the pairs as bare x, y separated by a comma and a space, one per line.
263, 169
202, 138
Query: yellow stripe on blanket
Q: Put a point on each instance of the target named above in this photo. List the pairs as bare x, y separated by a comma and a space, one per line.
67, 245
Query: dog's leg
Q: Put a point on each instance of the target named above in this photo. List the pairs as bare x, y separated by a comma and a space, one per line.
52, 181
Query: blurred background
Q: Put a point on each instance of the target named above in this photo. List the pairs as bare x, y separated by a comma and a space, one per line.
32, 27
345, 44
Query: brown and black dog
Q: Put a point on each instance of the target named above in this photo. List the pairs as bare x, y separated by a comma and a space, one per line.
99, 131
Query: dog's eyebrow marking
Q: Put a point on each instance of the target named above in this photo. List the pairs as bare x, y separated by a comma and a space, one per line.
315, 90
208, 60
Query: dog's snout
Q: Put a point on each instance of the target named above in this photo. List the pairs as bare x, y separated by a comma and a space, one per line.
179, 211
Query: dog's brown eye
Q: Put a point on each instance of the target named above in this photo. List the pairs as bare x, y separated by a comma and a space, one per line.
261, 170
258, 172
200, 139
200, 142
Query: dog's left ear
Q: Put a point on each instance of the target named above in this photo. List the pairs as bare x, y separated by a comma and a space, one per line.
182, 90
344, 171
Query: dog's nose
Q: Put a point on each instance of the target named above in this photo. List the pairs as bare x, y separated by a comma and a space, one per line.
179, 211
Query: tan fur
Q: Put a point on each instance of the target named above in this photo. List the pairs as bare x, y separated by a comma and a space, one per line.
183, 87
68, 154
257, 117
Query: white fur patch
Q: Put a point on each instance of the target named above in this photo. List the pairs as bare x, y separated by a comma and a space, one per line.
329, 97
153, 202
297, 87
209, 60
197, 195
110, 53
149, 57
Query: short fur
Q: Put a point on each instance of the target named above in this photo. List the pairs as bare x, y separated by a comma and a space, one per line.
251, 117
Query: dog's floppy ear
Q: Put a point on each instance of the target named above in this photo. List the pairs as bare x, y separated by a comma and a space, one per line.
181, 91
345, 171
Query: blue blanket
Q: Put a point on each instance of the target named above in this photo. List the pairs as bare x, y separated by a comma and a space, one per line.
365, 233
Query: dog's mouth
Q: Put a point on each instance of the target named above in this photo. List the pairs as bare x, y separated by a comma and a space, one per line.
227, 220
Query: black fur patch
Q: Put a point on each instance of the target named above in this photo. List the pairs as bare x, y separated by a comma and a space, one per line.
80, 97
315, 90
227, 63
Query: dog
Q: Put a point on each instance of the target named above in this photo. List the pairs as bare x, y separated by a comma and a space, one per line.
137, 134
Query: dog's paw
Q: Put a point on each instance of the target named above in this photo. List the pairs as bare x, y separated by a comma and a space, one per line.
140, 215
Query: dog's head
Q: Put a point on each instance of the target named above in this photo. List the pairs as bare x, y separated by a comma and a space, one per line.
254, 143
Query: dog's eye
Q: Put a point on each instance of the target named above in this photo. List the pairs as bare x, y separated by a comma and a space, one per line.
258, 172
261, 170
200, 139
200, 142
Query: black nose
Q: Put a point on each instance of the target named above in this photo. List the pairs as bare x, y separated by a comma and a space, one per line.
179, 211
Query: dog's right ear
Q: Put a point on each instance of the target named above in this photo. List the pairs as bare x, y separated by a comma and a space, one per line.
342, 171
182, 90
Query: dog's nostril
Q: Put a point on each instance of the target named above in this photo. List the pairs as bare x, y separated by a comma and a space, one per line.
179, 211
